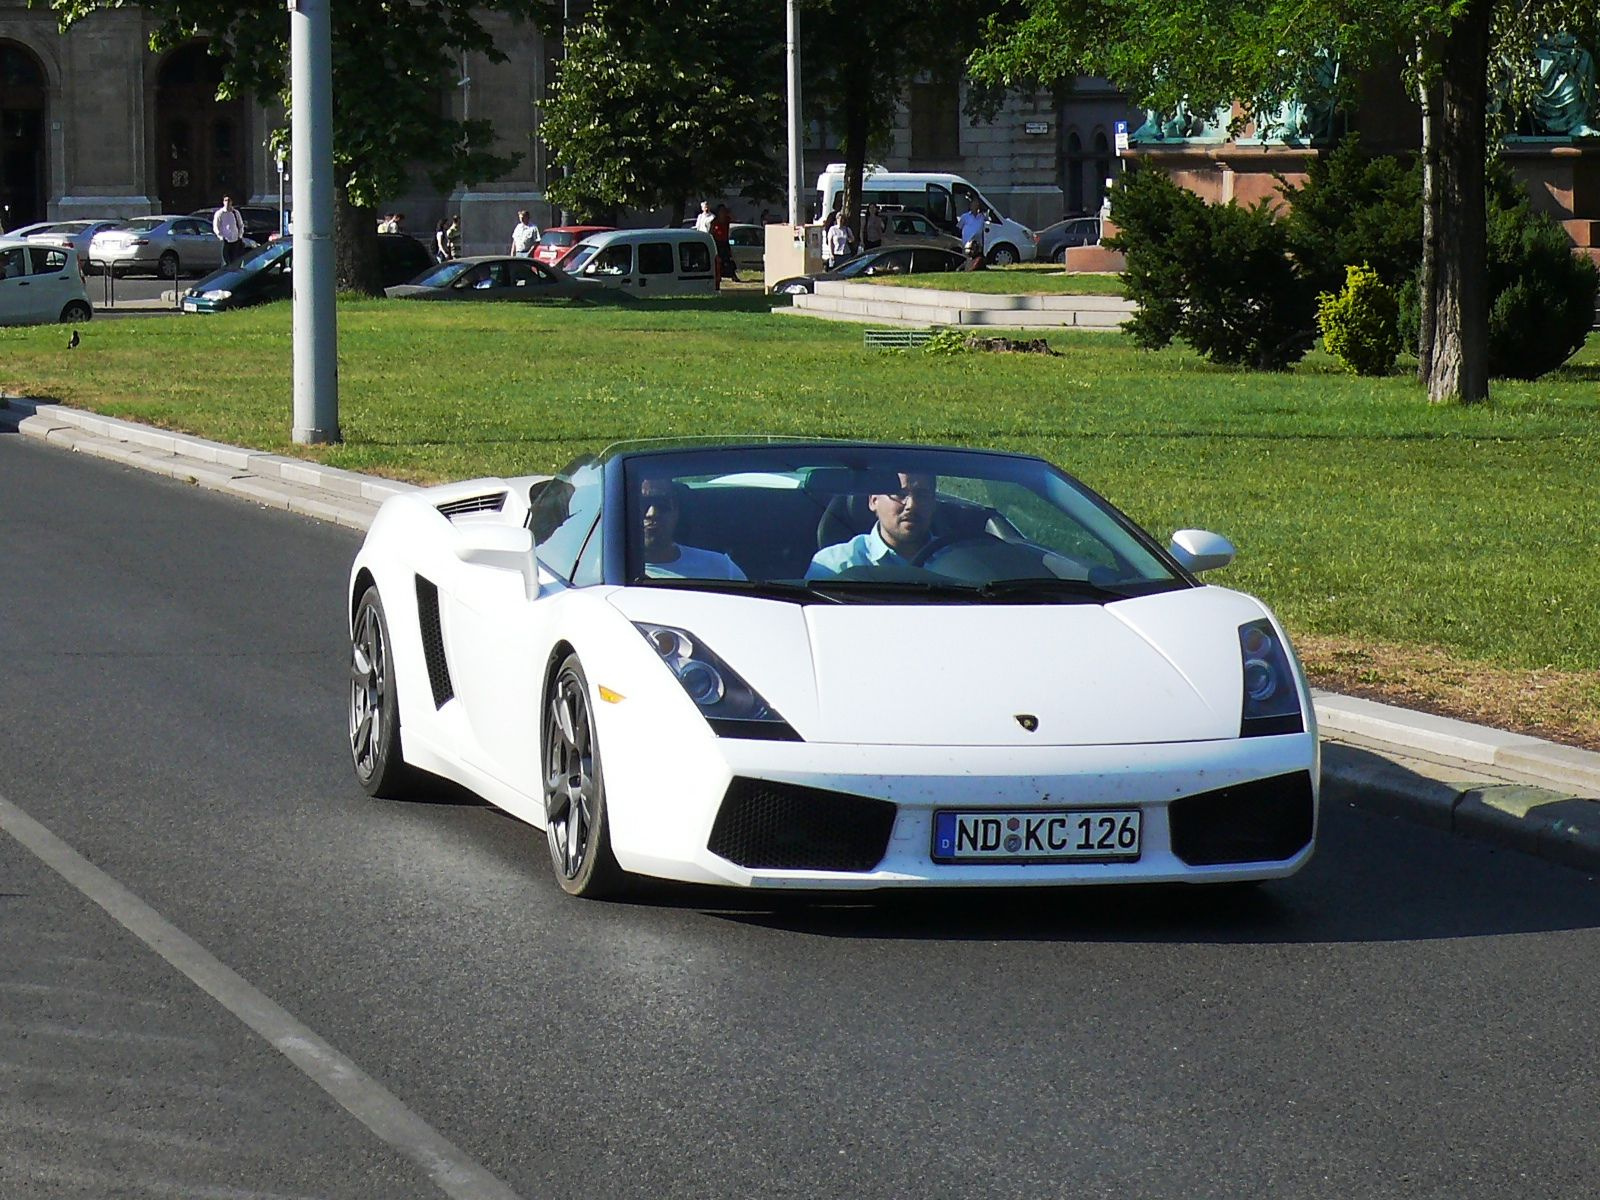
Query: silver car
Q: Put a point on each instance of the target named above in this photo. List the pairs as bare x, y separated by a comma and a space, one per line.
71, 235
166, 246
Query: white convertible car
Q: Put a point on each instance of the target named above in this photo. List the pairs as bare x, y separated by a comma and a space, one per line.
830, 665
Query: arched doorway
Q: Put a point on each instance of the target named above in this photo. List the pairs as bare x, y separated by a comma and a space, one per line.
22, 136
200, 140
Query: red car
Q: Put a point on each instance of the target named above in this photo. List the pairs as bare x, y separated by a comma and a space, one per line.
556, 241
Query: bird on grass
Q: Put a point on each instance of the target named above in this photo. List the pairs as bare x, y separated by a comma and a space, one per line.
72, 343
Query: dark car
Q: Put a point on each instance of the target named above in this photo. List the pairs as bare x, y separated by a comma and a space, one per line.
1055, 240
496, 277
892, 260
268, 274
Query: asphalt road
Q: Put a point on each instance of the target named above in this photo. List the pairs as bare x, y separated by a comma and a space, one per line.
1410, 1016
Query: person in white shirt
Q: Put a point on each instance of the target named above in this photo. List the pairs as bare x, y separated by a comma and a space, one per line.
707, 215
835, 242
525, 235
228, 224
664, 558
903, 530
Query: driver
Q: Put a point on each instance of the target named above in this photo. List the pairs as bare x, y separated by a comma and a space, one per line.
903, 530
658, 527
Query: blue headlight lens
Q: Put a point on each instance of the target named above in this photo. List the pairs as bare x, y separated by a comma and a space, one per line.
1271, 699
732, 706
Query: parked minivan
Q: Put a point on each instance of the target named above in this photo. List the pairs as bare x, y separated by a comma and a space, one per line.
646, 262
939, 196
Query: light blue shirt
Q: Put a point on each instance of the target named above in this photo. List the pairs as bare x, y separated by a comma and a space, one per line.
693, 563
864, 550
972, 225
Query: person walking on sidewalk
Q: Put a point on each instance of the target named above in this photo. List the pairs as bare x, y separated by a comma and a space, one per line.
228, 224
524, 235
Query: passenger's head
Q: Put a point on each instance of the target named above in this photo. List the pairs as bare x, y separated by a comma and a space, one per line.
658, 517
905, 516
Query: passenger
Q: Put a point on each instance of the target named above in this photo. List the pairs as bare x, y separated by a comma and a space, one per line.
903, 530
664, 558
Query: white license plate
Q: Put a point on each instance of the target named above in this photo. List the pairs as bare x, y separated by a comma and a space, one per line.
190, 306
1037, 835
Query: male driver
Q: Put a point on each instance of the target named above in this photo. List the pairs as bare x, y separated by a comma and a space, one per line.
228, 224
663, 557
904, 528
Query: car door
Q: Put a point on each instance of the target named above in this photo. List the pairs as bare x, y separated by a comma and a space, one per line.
895, 262
17, 304
527, 280
197, 246
54, 279
925, 260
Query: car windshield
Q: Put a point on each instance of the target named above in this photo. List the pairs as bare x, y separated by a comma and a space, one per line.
441, 276
905, 524
264, 257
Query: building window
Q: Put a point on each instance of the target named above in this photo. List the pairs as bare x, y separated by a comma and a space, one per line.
935, 121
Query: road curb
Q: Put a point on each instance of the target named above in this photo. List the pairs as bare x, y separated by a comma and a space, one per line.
1521, 792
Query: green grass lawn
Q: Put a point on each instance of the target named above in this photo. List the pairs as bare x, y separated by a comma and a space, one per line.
1360, 512
1026, 279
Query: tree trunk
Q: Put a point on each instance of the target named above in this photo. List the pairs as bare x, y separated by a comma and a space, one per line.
857, 102
1460, 359
355, 241
1428, 276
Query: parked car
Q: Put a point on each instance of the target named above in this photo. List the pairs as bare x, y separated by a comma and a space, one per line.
705, 663
907, 228
71, 235
260, 220
40, 284
168, 246
498, 277
1055, 240
646, 262
555, 242
891, 260
267, 274
749, 246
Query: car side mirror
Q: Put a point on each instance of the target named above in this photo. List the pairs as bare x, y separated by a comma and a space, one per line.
1201, 550
504, 547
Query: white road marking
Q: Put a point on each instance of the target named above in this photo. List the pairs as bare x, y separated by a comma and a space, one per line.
457, 1175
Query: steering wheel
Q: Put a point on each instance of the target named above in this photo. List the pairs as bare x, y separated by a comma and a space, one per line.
937, 546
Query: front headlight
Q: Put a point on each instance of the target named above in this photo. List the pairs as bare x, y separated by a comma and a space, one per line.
1271, 698
217, 294
730, 705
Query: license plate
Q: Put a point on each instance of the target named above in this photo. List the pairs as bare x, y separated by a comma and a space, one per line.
1037, 835
190, 306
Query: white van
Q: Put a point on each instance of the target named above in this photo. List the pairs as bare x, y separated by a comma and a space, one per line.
646, 262
40, 284
942, 198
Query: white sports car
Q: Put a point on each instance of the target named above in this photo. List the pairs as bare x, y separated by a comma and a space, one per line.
815, 665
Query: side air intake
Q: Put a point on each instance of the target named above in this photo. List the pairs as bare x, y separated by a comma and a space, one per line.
433, 642
782, 826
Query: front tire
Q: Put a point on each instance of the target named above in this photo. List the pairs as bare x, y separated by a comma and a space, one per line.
1003, 255
374, 707
76, 313
577, 825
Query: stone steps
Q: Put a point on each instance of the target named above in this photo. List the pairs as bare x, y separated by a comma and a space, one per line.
922, 307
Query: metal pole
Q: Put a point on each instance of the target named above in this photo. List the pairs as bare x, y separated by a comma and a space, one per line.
316, 333
283, 211
796, 216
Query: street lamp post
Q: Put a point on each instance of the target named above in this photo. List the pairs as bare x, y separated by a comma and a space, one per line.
316, 333
795, 166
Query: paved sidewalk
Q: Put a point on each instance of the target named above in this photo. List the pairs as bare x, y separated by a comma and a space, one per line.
1522, 792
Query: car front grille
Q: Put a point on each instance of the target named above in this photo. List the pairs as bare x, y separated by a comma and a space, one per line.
1265, 820
782, 826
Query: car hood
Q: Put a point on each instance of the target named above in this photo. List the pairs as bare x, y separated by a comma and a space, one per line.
1158, 668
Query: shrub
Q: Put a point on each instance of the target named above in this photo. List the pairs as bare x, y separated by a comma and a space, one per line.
1216, 275
1542, 295
947, 341
1355, 208
1361, 325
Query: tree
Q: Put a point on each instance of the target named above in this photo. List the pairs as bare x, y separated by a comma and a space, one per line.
1207, 52
659, 102
390, 64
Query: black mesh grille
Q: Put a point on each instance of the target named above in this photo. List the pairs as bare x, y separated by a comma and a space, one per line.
785, 827
433, 642
1267, 820
493, 502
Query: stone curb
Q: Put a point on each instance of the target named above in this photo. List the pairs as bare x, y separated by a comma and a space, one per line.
1518, 806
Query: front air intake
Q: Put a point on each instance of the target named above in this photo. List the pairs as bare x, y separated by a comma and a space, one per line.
785, 827
1265, 820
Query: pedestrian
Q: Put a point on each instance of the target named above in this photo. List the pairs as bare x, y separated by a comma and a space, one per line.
228, 224
525, 235
703, 221
721, 234
835, 242
872, 229
974, 224
765, 218
399, 223
441, 252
